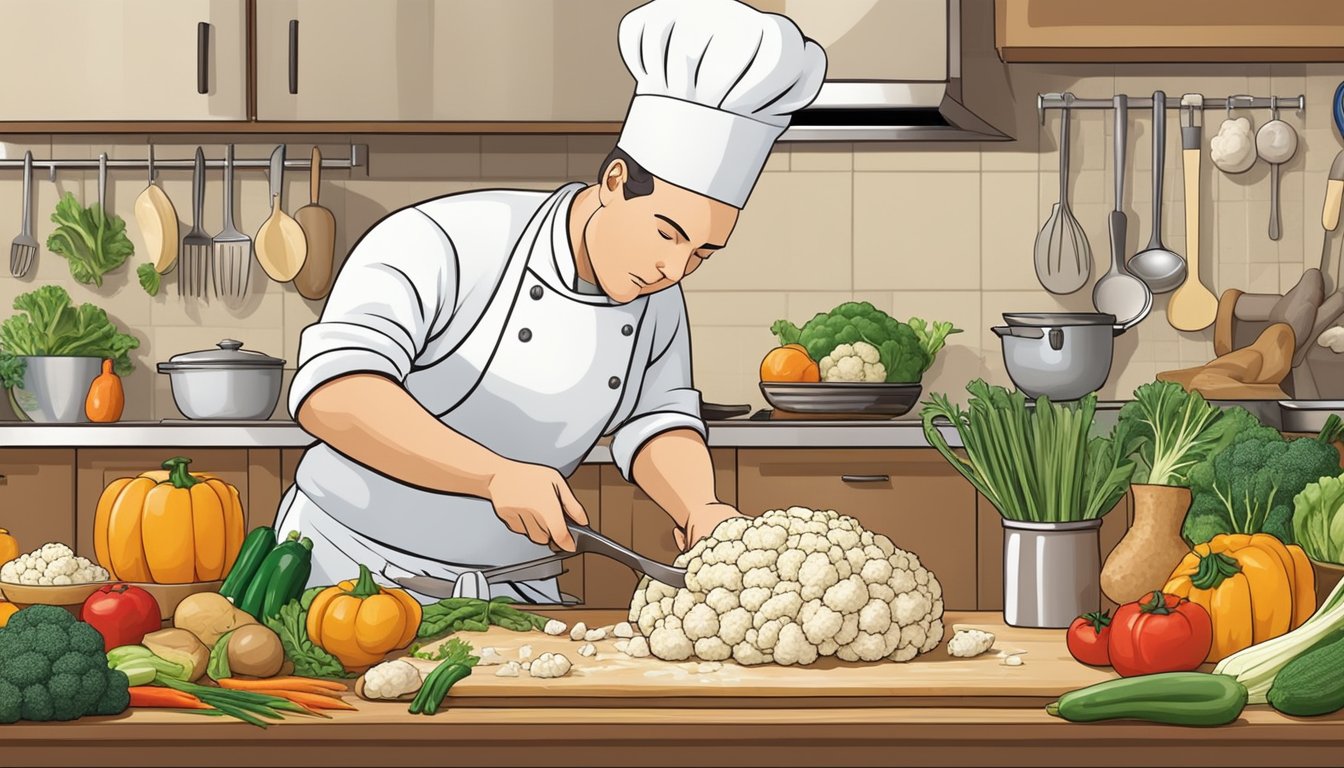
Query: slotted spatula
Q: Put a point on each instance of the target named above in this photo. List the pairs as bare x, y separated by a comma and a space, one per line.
233, 249
193, 268
24, 248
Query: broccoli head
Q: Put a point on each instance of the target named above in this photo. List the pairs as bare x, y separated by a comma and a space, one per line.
52, 667
902, 353
1249, 486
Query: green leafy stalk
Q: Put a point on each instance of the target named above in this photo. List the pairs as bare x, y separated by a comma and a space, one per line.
149, 278
1176, 430
93, 241
291, 624
1318, 520
48, 323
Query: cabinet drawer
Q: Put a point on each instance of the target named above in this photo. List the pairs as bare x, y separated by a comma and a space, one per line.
37, 495
911, 496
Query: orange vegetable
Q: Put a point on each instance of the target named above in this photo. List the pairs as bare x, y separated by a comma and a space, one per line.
789, 363
106, 397
7, 610
155, 696
9, 546
306, 699
359, 622
168, 527
301, 684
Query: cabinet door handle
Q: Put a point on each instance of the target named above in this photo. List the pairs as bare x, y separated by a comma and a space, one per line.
865, 478
203, 57
4, 480
293, 56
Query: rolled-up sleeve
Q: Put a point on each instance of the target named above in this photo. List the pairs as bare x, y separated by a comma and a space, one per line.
394, 291
667, 400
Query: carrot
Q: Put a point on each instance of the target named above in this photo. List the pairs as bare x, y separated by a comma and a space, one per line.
308, 699
304, 684
155, 696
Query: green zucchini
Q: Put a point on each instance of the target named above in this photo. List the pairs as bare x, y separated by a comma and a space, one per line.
256, 547
281, 577
1313, 683
1173, 698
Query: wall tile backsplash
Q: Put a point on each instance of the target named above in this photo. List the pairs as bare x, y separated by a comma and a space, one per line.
940, 231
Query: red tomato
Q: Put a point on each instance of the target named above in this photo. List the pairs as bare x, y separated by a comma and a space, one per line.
122, 614
1160, 633
1089, 639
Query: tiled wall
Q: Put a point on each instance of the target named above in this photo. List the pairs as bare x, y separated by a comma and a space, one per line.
943, 232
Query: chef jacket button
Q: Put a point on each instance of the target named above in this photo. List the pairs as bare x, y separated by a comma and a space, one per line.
627, 329
614, 382
525, 335
535, 292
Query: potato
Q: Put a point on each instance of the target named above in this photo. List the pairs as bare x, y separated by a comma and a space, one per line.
180, 647
208, 615
255, 650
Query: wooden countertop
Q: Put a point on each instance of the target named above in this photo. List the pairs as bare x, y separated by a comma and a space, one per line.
638, 729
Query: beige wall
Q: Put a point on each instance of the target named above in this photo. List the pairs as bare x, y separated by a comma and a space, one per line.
942, 232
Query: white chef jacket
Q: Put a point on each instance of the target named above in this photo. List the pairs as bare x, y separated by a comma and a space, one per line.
471, 302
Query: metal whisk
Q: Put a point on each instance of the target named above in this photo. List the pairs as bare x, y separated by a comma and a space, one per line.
1063, 256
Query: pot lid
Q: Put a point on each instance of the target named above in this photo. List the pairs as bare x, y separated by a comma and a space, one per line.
1054, 319
228, 354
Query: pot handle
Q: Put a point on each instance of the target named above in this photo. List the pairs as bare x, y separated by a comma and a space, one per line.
1056, 339
1020, 331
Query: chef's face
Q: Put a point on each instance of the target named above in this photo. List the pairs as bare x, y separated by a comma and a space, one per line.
645, 244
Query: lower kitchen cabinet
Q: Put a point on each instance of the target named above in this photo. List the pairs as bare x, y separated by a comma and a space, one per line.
255, 473
910, 495
37, 495
629, 517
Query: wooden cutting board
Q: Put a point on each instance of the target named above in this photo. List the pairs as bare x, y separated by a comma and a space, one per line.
612, 679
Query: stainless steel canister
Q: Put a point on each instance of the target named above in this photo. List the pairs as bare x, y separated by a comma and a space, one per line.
1051, 572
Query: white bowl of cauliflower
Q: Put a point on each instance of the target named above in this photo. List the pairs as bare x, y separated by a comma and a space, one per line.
50, 575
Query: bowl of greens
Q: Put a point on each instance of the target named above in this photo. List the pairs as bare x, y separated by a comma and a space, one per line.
52, 350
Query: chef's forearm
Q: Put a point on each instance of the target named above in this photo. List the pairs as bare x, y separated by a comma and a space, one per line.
376, 422
675, 470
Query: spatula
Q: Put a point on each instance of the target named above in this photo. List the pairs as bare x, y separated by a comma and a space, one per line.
313, 281
193, 270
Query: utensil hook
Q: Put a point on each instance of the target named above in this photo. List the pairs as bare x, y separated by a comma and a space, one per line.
1274, 107
1232, 103
150, 163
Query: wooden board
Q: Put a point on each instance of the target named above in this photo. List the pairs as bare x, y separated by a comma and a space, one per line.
612, 679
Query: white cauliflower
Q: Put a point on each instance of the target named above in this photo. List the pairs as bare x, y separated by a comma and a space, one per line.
1332, 339
594, 635
554, 628
789, 587
489, 657
587, 649
53, 564
1233, 148
525, 653
550, 665
623, 630
967, 643
576, 634
391, 679
859, 361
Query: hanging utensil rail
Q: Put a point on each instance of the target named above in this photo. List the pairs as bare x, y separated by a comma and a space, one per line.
1046, 101
356, 159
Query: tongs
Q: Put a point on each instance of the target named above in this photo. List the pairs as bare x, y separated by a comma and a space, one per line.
586, 540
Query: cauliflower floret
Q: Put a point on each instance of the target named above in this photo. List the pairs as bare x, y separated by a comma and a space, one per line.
510, 669
824, 624
875, 617
793, 646
768, 634
391, 679
859, 361
910, 608
968, 643
712, 649
594, 635
670, 644
576, 634
489, 657
747, 655
637, 648
789, 563
721, 600
724, 575
781, 606
765, 537
550, 665
752, 599
732, 528
761, 577
649, 618
587, 649
817, 575
556, 628
702, 622
623, 630
734, 624
525, 652
847, 596
757, 558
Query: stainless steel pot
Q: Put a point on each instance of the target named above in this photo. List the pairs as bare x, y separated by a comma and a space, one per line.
1059, 355
225, 383
1051, 572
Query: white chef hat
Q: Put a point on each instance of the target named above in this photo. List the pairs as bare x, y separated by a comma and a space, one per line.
715, 84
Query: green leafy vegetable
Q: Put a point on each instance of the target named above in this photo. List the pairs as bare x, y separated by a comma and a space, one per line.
50, 324
218, 666
1036, 464
1318, 520
149, 278
291, 625
1249, 486
93, 242
456, 614
1176, 430
906, 351
456, 664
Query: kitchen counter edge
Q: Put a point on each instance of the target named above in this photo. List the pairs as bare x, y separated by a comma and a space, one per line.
286, 434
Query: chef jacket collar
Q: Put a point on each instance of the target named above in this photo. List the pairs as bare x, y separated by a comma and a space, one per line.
559, 272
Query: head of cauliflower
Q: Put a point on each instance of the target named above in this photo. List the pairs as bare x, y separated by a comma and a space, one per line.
789, 587
859, 361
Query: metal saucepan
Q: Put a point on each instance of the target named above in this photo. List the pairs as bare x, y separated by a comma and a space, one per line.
225, 383
1059, 355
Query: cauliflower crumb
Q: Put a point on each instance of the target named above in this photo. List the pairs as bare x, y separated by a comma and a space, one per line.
1013, 661
968, 643
525, 653
637, 648
550, 665
594, 635
576, 634
510, 669
391, 679
623, 630
555, 628
587, 649
708, 667
489, 657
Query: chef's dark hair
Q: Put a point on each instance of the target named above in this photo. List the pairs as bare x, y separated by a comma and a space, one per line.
638, 182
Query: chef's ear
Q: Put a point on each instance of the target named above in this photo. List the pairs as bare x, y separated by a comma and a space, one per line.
613, 180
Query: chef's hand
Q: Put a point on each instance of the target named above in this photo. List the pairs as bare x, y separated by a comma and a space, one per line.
701, 522
534, 500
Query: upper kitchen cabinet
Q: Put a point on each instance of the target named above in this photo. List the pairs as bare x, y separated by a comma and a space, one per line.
1162, 31
441, 60
124, 60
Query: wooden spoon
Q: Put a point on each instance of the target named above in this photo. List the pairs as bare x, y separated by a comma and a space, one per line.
319, 227
281, 245
157, 219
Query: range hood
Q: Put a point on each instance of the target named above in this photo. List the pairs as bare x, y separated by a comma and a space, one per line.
895, 69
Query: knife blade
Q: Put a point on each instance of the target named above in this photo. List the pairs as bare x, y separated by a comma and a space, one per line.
278, 174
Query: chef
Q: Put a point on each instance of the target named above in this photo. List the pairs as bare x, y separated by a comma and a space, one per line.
475, 347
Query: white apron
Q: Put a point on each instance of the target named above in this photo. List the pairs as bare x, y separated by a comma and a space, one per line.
548, 388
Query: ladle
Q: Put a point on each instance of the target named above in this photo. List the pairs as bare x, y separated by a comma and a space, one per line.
1160, 268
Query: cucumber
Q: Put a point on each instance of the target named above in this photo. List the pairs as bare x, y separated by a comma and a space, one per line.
1172, 698
254, 598
1313, 683
290, 576
254, 550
